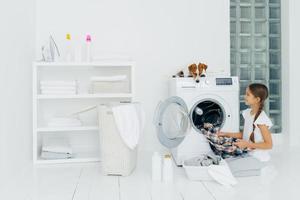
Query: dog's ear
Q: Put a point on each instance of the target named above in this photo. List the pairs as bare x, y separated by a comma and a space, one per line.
202, 69
193, 70
192, 67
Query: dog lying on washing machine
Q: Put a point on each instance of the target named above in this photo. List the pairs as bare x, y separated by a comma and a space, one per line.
197, 71
194, 71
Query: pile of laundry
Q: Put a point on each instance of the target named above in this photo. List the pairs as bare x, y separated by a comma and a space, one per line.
204, 160
222, 146
209, 167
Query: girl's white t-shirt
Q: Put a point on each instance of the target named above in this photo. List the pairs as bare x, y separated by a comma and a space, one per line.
262, 119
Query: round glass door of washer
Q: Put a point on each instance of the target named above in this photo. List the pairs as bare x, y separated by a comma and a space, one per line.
207, 111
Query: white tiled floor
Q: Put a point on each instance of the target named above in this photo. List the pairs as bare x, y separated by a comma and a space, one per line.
85, 182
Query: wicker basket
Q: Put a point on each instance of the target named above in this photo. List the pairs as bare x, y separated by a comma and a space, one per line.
117, 158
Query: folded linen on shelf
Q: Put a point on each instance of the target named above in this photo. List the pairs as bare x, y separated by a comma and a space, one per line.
58, 83
51, 155
71, 87
56, 145
64, 121
58, 92
61, 92
108, 78
58, 87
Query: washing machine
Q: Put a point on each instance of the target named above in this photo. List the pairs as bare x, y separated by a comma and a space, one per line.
180, 117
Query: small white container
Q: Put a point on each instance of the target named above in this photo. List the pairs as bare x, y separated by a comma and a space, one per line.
168, 169
156, 167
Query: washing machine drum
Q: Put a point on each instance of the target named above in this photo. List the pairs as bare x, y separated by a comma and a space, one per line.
173, 119
208, 111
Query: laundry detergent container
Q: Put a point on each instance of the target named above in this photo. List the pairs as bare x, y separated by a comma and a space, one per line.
116, 157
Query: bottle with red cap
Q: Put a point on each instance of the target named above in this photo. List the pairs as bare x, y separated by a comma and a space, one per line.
88, 50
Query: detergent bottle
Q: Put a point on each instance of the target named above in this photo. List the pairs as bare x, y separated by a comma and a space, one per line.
87, 49
69, 50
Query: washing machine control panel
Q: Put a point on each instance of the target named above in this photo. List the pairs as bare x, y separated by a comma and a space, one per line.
223, 81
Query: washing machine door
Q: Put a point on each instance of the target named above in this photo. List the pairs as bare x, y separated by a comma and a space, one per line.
172, 121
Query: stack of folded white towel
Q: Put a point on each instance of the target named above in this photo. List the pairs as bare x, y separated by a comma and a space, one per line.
58, 87
56, 148
64, 122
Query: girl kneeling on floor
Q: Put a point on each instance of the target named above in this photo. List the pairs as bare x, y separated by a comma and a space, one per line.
256, 135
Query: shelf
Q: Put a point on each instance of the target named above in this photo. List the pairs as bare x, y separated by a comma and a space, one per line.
79, 157
104, 63
67, 129
86, 96
84, 140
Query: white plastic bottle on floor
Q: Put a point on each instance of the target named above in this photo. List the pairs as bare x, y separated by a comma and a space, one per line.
168, 168
156, 167
69, 50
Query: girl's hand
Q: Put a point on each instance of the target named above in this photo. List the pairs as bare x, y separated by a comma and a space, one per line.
242, 144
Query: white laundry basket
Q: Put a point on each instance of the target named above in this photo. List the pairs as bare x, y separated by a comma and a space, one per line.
116, 157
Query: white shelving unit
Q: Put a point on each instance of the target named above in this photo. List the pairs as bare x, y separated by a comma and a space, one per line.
84, 139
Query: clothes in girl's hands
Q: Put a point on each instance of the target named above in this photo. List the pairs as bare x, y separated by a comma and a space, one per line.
222, 146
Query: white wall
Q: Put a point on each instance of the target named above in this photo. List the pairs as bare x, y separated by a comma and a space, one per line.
291, 69
161, 36
16, 54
